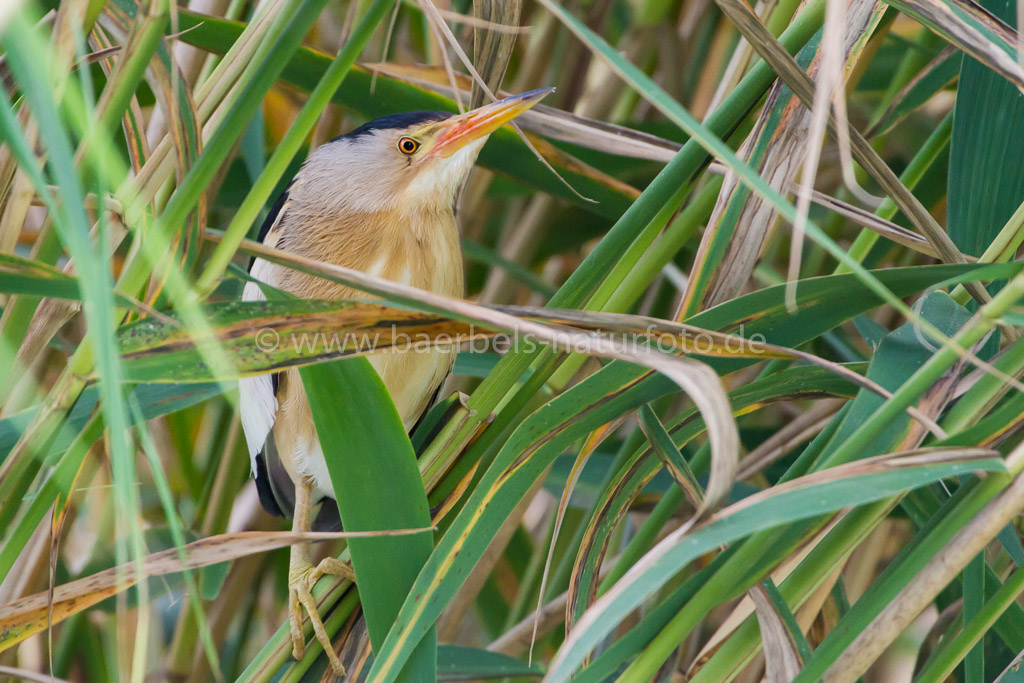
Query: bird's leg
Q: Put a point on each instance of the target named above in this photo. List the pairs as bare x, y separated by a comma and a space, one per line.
298, 566
302, 576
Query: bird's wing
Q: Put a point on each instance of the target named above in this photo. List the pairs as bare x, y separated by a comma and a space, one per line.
257, 406
257, 403
257, 399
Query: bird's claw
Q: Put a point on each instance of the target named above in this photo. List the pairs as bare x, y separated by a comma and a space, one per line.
301, 579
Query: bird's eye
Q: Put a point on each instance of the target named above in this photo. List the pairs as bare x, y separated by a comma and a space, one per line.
408, 146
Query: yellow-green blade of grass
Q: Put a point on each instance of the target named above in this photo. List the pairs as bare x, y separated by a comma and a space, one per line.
26, 57
378, 487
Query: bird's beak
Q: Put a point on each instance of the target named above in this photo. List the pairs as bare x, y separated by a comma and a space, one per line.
458, 131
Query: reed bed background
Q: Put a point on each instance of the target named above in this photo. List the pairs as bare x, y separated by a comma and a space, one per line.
805, 463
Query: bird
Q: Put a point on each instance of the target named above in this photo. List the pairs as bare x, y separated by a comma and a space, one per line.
381, 200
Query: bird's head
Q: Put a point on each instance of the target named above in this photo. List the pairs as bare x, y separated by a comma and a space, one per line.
414, 161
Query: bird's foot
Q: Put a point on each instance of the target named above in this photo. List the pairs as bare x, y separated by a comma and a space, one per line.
301, 579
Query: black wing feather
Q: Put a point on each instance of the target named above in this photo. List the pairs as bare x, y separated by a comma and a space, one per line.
263, 487
272, 487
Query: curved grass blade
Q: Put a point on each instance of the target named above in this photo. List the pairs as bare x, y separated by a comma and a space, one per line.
828, 299
640, 467
813, 495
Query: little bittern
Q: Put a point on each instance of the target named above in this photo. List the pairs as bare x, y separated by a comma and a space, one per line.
380, 200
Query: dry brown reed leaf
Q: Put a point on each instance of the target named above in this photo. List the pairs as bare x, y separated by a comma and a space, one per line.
782, 661
827, 80
493, 49
794, 77
27, 616
696, 379
793, 138
581, 331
